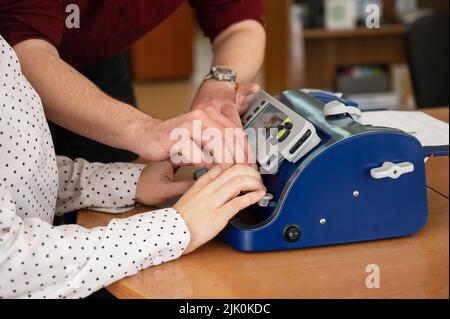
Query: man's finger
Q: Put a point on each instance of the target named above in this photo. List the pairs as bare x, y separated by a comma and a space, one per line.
205, 120
239, 151
232, 113
243, 94
248, 89
188, 153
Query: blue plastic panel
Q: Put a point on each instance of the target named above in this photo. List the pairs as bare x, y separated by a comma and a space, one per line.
324, 189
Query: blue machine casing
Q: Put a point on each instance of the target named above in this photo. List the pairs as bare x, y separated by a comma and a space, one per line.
330, 194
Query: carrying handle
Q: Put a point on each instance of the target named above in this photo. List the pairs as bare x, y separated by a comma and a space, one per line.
336, 107
391, 170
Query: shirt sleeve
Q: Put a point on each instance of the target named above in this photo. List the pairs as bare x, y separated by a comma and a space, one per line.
103, 187
38, 260
215, 16
21, 20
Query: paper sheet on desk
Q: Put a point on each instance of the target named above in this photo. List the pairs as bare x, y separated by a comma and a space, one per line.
428, 130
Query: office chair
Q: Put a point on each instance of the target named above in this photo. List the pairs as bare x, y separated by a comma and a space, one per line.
427, 54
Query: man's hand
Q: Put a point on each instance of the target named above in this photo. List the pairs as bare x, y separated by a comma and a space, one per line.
188, 138
223, 97
157, 184
73, 102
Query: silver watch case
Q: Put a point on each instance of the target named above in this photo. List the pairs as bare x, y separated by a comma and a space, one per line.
221, 73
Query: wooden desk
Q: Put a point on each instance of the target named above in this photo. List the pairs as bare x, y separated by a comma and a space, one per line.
412, 267
437, 167
437, 178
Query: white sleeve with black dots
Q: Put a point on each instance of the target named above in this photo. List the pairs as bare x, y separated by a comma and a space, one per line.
38, 260
105, 187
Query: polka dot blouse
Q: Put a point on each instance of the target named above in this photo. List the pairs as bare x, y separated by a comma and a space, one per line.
38, 260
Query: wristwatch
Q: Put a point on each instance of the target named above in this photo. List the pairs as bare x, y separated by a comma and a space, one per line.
222, 73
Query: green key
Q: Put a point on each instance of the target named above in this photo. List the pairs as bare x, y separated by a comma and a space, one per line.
199, 173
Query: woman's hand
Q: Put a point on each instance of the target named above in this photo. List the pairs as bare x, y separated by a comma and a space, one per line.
215, 199
157, 184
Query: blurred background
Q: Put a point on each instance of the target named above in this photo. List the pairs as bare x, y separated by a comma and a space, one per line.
324, 44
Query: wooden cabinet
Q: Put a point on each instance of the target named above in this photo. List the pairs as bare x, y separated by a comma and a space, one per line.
327, 51
166, 51
311, 57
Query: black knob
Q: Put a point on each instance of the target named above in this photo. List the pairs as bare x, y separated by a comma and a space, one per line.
292, 233
288, 125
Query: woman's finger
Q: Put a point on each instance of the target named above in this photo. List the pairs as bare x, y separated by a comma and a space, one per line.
206, 179
177, 188
236, 186
234, 206
227, 175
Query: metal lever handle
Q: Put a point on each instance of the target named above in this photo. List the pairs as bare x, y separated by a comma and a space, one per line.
391, 170
265, 202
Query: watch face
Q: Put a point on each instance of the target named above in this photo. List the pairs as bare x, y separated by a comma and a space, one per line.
222, 73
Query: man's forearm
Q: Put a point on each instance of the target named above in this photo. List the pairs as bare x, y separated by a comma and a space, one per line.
72, 101
241, 47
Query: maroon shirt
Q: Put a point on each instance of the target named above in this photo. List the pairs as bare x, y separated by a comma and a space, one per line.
109, 27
